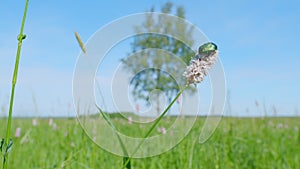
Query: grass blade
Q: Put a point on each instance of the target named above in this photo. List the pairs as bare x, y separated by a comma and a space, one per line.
21, 37
126, 159
156, 123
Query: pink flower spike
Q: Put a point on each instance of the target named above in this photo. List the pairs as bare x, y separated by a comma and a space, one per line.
18, 132
129, 120
163, 130
137, 107
34, 122
201, 63
50, 122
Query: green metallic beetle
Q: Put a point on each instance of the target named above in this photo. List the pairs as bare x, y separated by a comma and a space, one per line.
205, 50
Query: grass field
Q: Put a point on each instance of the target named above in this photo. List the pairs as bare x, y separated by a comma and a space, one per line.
237, 143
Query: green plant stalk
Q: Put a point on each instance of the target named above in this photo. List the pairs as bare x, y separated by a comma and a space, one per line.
156, 123
14, 81
110, 123
105, 116
126, 159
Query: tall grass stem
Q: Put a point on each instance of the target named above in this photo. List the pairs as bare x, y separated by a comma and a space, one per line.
155, 124
21, 37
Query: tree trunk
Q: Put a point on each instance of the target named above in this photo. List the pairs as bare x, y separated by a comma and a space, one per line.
158, 87
157, 104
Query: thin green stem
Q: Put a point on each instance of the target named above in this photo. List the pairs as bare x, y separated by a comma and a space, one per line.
126, 159
14, 81
155, 124
105, 116
110, 123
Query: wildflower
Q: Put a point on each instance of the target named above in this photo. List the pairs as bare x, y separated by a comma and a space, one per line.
280, 125
18, 132
34, 122
162, 130
286, 126
137, 107
129, 120
199, 65
50, 122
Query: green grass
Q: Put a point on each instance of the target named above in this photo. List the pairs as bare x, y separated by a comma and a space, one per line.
7, 143
237, 143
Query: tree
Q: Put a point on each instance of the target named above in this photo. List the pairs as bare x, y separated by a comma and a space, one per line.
155, 69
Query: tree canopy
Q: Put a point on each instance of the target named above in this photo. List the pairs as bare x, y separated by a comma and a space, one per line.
158, 59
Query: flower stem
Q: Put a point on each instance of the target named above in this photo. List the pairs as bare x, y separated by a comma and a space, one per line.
21, 37
155, 124
110, 123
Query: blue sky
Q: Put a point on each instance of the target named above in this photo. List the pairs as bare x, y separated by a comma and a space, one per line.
258, 42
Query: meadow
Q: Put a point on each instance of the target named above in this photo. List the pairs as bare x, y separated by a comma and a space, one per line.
237, 143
